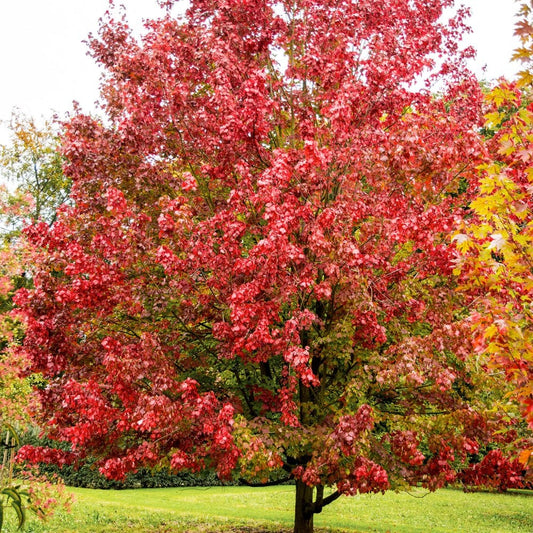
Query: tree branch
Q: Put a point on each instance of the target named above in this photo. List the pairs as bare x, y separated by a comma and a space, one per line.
331, 498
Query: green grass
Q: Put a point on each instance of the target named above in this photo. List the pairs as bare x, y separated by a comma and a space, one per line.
242, 509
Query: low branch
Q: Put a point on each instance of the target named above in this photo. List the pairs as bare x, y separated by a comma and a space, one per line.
331, 498
321, 502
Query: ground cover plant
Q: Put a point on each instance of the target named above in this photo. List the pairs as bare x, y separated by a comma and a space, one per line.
269, 509
254, 272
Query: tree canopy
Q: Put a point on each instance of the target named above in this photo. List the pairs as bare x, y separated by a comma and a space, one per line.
254, 273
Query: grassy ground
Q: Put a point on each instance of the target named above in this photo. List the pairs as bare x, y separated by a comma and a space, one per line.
247, 510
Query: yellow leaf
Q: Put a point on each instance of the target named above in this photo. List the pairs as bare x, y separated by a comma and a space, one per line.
525, 456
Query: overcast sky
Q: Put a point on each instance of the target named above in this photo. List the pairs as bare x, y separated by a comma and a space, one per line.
44, 63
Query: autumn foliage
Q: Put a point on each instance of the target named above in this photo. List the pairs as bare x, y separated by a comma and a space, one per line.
31, 165
496, 240
254, 274
497, 243
16, 398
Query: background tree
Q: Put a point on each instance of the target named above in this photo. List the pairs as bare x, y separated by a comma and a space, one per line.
497, 239
32, 164
254, 274
16, 397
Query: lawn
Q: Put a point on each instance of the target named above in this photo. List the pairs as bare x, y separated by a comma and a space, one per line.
242, 509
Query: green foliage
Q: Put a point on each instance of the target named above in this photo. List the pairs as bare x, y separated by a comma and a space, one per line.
32, 162
88, 476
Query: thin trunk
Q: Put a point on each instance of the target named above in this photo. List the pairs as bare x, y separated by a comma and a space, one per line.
303, 509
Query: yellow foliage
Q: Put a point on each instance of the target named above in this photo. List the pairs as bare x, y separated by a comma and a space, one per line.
496, 243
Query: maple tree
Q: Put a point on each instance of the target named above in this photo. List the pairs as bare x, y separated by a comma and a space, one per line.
496, 242
254, 273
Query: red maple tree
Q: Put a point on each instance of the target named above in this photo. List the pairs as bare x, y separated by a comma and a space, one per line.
254, 274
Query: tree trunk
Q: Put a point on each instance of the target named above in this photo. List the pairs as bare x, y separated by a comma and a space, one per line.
303, 509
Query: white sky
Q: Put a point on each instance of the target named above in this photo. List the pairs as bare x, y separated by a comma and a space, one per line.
44, 64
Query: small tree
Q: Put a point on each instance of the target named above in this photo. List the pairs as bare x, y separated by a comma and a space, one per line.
254, 273
16, 395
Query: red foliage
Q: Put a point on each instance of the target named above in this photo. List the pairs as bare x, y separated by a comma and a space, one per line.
40, 454
494, 471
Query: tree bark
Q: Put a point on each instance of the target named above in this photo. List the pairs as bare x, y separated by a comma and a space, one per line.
303, 509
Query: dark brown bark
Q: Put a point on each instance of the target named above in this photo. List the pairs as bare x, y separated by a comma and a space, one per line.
306, 508
303, 509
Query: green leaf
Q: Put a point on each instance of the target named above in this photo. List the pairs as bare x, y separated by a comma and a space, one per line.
1, 515
13, 494
21, 514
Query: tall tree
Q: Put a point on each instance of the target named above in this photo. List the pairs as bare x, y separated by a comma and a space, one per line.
253, 274
496, 242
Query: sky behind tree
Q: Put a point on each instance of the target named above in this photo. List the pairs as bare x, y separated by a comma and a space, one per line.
45, 65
